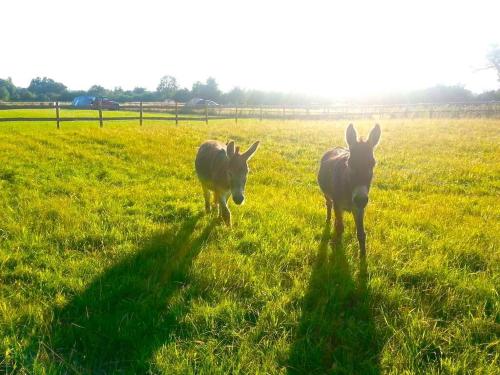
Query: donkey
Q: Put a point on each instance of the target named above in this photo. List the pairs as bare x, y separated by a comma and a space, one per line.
222, 169
345, 177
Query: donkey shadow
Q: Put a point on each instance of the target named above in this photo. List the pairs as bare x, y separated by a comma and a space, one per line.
336, 333
124, 316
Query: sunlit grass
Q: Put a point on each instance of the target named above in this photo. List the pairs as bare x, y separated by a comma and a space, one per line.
108, 264
51, 113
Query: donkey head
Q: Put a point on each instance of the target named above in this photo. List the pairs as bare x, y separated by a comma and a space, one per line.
238, 169
360, 164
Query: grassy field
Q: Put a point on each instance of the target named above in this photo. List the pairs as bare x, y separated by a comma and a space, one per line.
108, 264
51, 113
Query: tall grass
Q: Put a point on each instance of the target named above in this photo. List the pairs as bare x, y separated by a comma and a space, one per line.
108, 264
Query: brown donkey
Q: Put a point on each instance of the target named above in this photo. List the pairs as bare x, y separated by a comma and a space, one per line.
222, 169
345, 177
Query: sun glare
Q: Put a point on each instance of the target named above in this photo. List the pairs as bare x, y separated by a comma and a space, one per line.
319, 47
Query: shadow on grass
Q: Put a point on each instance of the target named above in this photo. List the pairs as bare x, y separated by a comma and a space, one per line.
125, 315
336, 334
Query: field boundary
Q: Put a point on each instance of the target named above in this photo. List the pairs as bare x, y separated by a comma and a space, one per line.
181, 112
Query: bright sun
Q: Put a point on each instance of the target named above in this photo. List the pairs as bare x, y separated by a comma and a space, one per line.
319, 47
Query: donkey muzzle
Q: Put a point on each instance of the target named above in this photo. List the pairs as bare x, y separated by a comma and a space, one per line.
360, 196
238, 198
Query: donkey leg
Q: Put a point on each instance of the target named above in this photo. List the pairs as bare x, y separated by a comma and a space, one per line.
360, 229
224, 210
206, 195
339, 220
215, 206
328, 204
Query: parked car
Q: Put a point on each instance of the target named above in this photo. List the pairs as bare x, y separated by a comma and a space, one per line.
198, 102
105, 103
92, 102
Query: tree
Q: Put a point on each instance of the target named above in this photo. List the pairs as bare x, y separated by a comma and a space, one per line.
197, 89
441, 94
46, 88
4, 94
25, 94
212, 89
494, 60
256, 97
97, 90
139, 90
167, 87
235, 96
209, 90
8, 91
488, 96
182, 95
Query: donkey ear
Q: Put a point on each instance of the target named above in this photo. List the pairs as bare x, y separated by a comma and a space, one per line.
374, 136
249, 153
350, 135
230, 149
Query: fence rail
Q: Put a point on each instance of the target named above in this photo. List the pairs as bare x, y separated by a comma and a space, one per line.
177, 112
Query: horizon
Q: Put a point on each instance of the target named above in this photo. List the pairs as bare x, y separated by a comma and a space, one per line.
398, 48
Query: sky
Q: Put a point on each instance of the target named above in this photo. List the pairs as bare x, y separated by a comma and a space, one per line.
327, 48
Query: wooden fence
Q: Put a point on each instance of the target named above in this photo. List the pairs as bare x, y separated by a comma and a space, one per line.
180, 112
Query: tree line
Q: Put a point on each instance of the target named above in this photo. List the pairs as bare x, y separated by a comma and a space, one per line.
46, 89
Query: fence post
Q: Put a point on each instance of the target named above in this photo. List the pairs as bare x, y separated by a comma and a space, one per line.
176, 114
57, 114
140, 111
261, 112
236, 115
100, 113
206, 113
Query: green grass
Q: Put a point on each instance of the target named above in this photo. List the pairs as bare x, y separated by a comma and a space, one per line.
51, 113
108, 264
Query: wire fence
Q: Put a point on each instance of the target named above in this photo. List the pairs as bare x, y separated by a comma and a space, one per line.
141, 111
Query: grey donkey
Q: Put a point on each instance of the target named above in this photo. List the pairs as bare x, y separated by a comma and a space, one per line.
223, 170
345, 177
